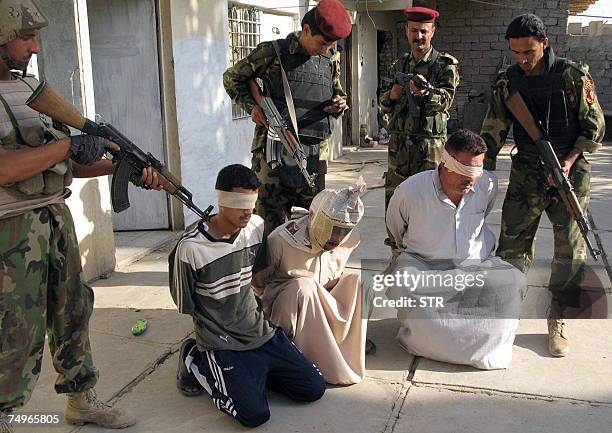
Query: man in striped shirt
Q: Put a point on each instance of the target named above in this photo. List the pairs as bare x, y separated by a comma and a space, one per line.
236, 352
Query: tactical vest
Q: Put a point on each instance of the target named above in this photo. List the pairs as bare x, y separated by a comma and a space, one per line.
545, 96
21, 127
311, 82
411, 118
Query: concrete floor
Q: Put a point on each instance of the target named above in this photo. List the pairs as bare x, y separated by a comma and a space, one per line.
401, 393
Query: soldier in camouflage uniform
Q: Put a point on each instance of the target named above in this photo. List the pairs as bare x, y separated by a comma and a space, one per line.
312, 65
418, 117
41, 286
561, 94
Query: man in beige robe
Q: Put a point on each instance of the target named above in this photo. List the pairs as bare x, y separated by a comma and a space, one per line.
305, 290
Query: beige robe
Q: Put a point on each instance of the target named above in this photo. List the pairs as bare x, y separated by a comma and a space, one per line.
326, 325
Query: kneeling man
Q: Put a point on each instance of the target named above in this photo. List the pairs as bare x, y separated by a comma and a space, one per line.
236, 352
306, 291
444, 245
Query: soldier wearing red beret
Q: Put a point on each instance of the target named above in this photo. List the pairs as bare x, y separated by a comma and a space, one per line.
332, 20
312, 66
418, 116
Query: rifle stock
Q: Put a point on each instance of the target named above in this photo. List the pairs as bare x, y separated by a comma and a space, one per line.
129, 160
520, 111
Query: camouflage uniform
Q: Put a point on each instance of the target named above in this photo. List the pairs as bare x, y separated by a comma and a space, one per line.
418, 123
529, 195
276, 196
41, 291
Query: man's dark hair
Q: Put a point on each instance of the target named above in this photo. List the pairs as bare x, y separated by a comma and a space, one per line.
465, 140
309, 18
526, 25
236, 176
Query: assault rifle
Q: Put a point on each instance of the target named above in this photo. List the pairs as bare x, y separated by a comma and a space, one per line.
278, 125
520, 111
129, 160
403, 79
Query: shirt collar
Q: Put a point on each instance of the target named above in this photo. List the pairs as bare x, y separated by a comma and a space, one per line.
549, 58
294, 43
426, 58
438, 184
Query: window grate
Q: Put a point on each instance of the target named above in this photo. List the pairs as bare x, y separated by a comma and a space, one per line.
244, 36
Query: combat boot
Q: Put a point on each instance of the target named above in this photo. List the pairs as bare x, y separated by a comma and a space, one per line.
84, 407
558, 344
5, 425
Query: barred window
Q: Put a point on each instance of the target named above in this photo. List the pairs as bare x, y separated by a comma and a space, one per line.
244, 36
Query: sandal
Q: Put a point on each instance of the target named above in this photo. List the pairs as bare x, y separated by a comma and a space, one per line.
185, 381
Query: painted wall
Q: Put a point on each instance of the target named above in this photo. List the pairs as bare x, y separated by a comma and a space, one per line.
365, 76
277, 26
209, 139
63, 65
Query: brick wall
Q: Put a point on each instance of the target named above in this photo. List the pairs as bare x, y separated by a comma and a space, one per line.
595, 51
474, 33
385, 56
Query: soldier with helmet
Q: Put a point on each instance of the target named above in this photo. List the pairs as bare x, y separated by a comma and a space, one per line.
41, 287
418, 116
560, 93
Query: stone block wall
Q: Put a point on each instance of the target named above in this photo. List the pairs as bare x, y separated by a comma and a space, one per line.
474, 33
595, 51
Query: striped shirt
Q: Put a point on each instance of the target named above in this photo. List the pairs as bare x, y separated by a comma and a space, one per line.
210, 279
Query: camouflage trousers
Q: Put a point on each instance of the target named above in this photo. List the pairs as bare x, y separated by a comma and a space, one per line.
408, 155
281, 189
41, 291
528, 196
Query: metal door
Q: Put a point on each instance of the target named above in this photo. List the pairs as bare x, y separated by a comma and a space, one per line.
125, 65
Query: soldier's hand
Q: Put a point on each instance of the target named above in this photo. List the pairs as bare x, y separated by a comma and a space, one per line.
258, 116
396, 92
416, 90
566, 166
87, 149
112, 146
338, 105
568, 161
151, 178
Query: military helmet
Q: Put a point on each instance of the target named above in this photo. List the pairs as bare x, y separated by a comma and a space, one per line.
19, 16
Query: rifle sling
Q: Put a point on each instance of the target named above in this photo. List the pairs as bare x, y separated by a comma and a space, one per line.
287, 89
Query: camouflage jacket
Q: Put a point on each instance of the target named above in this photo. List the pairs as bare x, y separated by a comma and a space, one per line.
580, 93
433, 109
263, 63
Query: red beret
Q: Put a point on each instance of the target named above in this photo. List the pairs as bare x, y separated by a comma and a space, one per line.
333, 20
421, 14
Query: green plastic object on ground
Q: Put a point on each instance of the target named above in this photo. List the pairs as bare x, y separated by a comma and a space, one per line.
139, 327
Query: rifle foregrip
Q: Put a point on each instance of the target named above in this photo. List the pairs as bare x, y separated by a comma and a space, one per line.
119, 186
168, 184
172, 178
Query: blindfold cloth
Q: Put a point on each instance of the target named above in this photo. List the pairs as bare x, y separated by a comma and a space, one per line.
236, 200
455, 166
